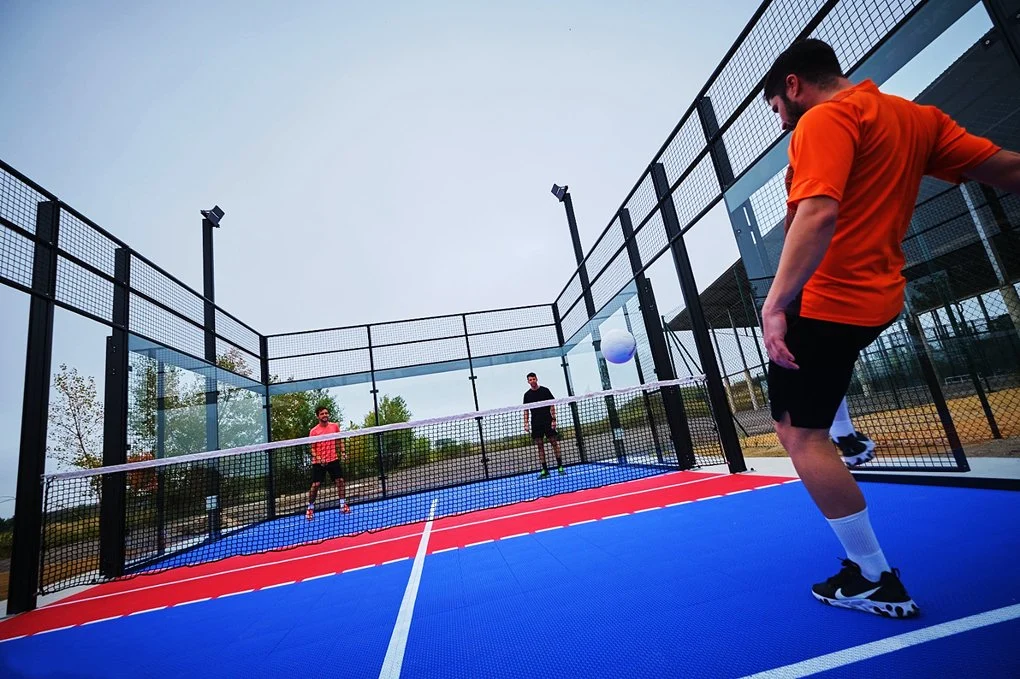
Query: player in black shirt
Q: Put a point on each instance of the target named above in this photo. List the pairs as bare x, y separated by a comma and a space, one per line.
542, 424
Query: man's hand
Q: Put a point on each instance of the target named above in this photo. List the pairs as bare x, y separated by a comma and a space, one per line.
774, 328
527, 427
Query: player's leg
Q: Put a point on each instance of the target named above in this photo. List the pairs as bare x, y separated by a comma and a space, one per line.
855, 447
804, 403
318, 474
336, 473
554, 439
538, 431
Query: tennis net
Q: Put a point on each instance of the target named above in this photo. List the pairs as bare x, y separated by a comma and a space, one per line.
150, 516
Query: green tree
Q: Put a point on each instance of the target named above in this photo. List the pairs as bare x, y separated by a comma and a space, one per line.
76, 421
399, 448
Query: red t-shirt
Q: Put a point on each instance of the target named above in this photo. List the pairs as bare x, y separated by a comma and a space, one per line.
324, 452
869, 151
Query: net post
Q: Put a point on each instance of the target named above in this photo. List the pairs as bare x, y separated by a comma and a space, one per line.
672, 401
26, 548
375, 411
574, 415
112, 504
474, 392
713, 378
268, 409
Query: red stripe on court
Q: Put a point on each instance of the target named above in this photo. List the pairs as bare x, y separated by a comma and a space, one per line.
249, 573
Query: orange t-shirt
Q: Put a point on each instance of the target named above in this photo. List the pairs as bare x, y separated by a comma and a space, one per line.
869, 151
324, 452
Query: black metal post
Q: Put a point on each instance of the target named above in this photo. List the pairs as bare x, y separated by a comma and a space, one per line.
937, 396
113, 500
474, 392
596, 340
268, 409
672, 397
160, 454
636, 266
28, 502
962, 336
212, 438
375, 409
644, 394
720, 408
1008, 24
575, 415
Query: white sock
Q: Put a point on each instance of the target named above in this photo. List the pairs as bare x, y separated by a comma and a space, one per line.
860, 543
842, 425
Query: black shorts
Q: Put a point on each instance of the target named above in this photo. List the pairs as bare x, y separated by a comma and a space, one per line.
543, 428
826, 353
319, 471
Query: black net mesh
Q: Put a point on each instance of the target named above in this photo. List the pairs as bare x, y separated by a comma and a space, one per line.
200, 508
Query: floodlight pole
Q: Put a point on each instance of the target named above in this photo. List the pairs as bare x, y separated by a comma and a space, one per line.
562, 193
211, 220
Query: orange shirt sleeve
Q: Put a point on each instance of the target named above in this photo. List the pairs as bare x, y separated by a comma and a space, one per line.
822, 151
956, 150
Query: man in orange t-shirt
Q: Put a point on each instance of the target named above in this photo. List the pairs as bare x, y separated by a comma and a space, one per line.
324, 459
857, 157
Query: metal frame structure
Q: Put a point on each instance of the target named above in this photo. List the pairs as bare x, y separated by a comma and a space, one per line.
61, 259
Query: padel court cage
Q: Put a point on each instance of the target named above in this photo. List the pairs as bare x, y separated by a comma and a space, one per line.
184, 375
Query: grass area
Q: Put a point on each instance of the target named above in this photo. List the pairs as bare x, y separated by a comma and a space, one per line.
921, 426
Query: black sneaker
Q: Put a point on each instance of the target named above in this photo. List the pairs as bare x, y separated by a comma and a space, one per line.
850, 589
856, 448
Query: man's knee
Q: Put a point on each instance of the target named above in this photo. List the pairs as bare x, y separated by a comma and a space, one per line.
793, 438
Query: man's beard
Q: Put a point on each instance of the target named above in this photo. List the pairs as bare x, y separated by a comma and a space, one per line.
794, 111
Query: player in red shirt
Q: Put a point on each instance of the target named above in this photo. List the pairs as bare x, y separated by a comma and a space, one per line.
324, 459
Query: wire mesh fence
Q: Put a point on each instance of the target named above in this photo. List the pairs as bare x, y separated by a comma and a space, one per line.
193, 509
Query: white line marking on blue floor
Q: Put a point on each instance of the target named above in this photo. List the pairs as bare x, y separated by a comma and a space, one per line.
394, 659
895, 643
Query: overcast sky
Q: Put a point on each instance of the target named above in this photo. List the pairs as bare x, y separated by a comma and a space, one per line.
376, 161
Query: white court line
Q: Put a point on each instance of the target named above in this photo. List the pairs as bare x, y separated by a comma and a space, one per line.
243, 591
896, 643
682, 502
319, 577
279, 584
359, 568
398, 560
738, 492
646, 509
240, 569
581, 523
93, 622
584, 502
544, 530
447, 549
515, 535
394, 659
147, 610
709, 497
483, 542
193, 601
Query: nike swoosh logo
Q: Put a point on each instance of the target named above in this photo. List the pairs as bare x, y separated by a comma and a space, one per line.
863, 595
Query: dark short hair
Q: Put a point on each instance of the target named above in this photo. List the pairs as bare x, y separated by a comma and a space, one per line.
320, 409
530, 375
810, 59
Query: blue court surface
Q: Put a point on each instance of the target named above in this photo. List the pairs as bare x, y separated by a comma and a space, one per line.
290, 530
714, 588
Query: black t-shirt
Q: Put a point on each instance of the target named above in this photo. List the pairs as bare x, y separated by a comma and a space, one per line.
541, 394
